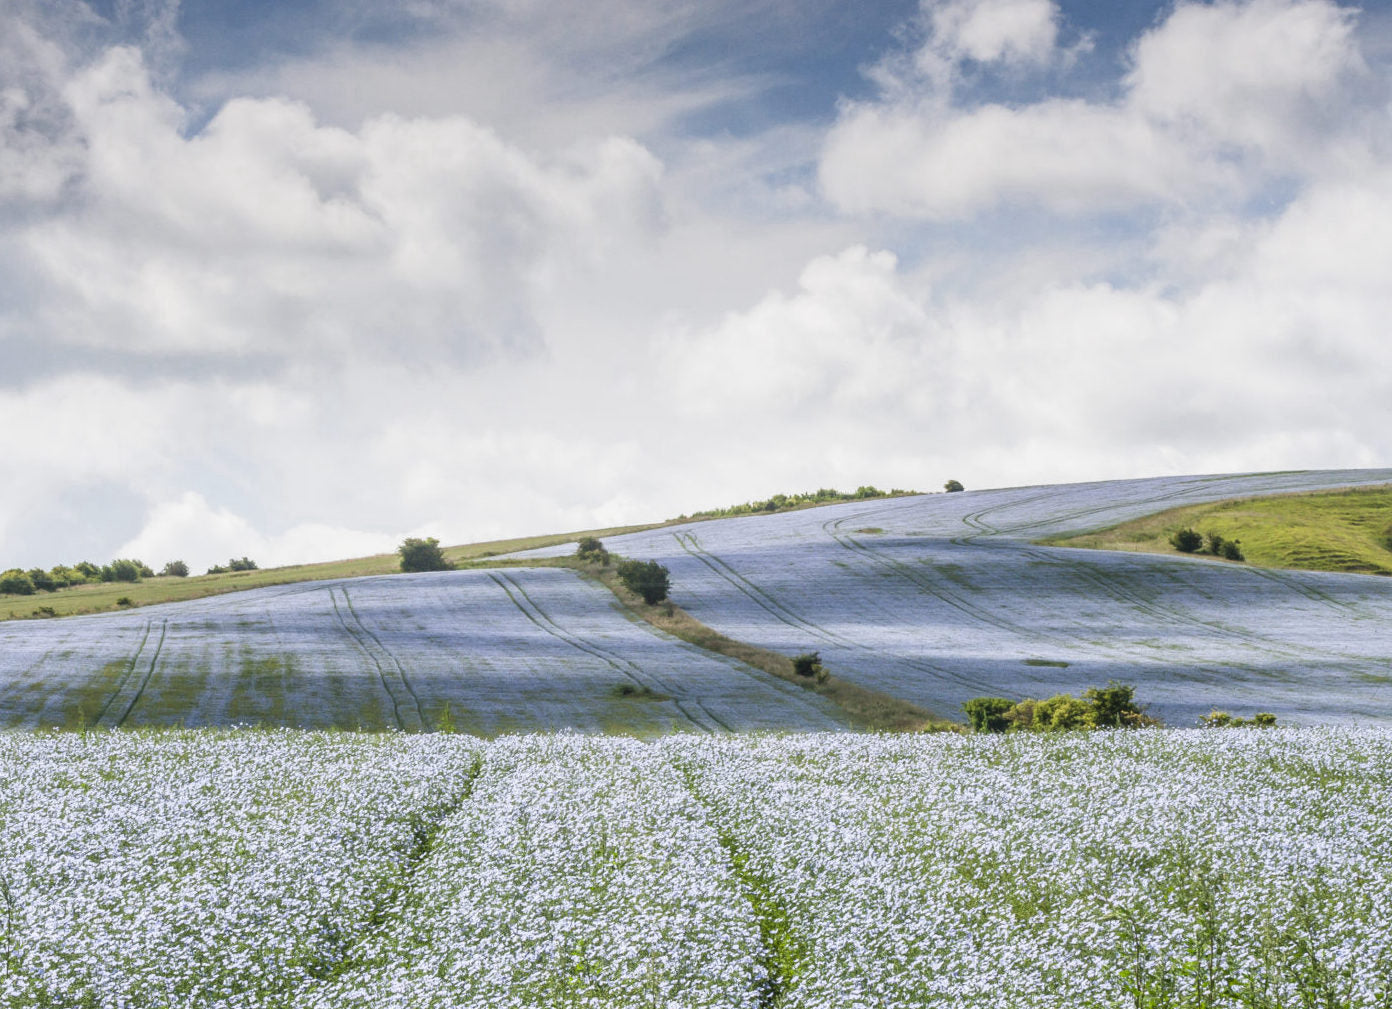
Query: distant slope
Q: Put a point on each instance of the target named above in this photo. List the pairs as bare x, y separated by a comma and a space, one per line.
942, 597
1345, 530
103, 597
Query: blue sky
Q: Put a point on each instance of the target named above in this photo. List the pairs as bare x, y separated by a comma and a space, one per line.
297, 279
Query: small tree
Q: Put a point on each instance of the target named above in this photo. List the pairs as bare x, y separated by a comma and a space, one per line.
1063, 712
987, 714
647, 578
121, 570
807, 664
175, 569
43, 581
422, 555
590, 549
1114, 705
952, 486
241, 564
15, 582
1186, 541
1232, 551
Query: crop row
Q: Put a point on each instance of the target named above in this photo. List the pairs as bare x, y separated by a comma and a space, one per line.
279, 869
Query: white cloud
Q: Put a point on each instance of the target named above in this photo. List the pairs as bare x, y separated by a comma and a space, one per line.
265, 232
848, 338
187, 528
1220, 100
991, 30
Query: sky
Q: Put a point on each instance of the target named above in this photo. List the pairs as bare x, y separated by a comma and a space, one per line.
295, 279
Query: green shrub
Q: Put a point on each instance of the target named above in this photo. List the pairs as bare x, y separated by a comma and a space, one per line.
122, 570
1222, 720
124, 601
647, 578
175, 569
88, 570
987, 714
1062, 713
43, 581
952, 486
1186, 541
1020, 718
807, 664
1114, 705
15, 582
1232, 551
591, 550
64, 576
241, 564
422, 555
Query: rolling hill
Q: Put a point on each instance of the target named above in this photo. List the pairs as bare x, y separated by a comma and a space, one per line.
932, 598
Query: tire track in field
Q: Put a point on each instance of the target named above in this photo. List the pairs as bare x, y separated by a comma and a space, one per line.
782, 613
405, 704
933, 587
1099, 578
533, 612
1089, 574
1102, 579
132, 686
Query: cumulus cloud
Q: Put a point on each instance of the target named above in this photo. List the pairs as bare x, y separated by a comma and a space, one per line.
188, 528
991, 30
269, 327
266, 232
846, 340
1220, 100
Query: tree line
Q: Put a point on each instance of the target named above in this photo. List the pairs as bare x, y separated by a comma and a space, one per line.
21, 582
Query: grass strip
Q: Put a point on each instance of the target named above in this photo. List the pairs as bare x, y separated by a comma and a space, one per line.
1342, 530
864, 708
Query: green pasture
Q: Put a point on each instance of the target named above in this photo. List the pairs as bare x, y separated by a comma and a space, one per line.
1342, 530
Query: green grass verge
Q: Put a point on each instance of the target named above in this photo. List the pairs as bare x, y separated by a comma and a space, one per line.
1343, 530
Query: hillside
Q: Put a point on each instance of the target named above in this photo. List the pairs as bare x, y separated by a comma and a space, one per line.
1344, 530
930, 600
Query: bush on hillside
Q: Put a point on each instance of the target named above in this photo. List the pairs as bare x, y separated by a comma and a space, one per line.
987, 714
1113, 706
175, 569
64, 576
88, 570
1232, 551
235, 564
15, 582
1062, 713
807, 664
43, 580
123, 569
591, 550
1186, 541
647, 578
1110, 707
1216, 719
422, 555
952, 486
